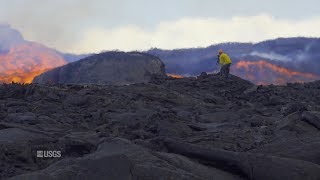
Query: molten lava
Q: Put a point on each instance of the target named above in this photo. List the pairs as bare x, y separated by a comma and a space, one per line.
263, 72
25, 61
175, 76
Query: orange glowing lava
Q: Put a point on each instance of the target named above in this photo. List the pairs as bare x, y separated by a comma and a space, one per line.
175, 76
263, 72
23, 62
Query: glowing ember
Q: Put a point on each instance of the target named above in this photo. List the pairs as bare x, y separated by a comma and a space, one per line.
25, 61
263, 72
175, 76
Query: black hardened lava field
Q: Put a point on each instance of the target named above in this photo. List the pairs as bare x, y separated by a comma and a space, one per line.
189, 128
159, 90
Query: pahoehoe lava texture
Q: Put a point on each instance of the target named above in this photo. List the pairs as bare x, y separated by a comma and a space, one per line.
190, 128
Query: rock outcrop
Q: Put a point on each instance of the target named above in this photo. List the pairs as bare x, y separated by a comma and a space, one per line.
114, 68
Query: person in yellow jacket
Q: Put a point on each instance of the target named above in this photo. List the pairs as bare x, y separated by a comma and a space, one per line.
225, 63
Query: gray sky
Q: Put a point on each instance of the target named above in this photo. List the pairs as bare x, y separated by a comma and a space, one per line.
81, 26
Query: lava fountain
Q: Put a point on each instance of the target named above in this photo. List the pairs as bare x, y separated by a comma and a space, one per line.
25, 61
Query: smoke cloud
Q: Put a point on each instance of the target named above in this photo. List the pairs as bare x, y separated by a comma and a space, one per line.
197, 32
83, 26
56, 23
9, 37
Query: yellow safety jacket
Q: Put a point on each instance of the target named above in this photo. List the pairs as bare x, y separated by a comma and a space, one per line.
224, 59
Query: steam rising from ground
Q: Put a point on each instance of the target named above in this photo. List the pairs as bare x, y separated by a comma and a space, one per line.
271, 56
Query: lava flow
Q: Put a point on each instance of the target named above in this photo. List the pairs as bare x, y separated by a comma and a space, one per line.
25, 61
263, 72
177, 76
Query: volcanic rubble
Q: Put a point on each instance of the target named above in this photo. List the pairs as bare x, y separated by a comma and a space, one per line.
189, 128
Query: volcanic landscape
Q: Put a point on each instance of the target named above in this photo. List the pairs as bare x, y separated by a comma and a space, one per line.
118, 116
189, 128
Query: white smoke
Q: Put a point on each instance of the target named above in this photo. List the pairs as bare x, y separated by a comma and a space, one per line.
271, 56
196, 32
75, 26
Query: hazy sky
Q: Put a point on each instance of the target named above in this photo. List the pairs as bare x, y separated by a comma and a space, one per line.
81, 26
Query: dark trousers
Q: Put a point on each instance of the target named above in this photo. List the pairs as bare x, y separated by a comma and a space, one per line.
225, 70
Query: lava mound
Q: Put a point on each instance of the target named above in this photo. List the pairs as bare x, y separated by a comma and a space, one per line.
113, 68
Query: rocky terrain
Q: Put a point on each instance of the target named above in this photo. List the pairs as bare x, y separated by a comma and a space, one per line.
189, 128
115, 68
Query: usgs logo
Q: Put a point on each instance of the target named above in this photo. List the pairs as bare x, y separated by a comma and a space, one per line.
48, 154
